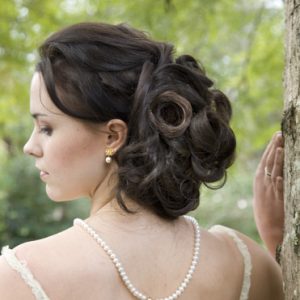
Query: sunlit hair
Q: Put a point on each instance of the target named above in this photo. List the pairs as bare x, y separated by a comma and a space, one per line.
178, 124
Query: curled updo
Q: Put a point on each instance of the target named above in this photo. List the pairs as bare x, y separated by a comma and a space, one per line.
178, 124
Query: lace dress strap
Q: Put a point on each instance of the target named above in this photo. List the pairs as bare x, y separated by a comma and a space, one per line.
246, 256
25, 273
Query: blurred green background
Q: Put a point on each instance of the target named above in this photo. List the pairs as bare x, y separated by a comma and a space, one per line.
240, 43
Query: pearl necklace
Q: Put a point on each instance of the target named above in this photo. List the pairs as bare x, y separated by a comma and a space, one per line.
134, 291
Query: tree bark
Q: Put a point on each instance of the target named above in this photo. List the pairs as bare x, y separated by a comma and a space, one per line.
290, 256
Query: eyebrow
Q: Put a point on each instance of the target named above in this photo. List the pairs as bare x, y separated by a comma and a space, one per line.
37, 115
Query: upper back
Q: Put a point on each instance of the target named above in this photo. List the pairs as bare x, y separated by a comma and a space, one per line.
71, 265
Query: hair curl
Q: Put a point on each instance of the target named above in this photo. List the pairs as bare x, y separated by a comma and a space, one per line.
178, 124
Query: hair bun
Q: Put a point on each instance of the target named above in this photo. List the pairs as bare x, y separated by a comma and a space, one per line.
171, 114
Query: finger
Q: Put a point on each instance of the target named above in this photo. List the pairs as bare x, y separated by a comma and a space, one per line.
279, 188
266, 153
271, 158
278, 164
277, 168
279, 139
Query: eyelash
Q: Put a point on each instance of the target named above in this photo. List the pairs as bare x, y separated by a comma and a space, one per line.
45, 130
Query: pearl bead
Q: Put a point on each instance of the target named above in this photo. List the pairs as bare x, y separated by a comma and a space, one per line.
108, 159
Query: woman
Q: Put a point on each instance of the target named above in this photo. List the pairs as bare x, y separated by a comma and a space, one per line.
118, 120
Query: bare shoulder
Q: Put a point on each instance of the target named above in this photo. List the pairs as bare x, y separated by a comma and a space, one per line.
12, 287
44, 250
57, 262
218, 258
33, 256
266, 278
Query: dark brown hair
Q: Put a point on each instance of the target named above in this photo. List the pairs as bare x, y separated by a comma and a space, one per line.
178, 124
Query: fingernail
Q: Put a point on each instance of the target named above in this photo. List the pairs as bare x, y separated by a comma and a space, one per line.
279, 138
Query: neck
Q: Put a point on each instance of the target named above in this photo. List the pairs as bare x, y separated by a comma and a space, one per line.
104, 199
112, 217
104, 192
105, 204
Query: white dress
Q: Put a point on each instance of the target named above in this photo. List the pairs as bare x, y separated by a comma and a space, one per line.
39, 293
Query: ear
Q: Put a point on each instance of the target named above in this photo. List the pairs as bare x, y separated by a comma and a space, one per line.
117, 134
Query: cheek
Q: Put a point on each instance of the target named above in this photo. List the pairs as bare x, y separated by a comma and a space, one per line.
75, 169
74, 153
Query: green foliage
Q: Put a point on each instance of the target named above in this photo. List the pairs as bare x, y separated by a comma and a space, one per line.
240, 44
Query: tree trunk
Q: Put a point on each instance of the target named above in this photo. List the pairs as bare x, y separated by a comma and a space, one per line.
291, 132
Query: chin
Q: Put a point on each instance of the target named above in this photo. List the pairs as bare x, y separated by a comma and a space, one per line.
58, 195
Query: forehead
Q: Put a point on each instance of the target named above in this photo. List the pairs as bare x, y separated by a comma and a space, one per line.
40, 102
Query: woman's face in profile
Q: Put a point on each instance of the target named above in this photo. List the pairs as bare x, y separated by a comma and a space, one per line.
69, 155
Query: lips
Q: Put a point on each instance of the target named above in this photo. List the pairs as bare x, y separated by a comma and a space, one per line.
43, 174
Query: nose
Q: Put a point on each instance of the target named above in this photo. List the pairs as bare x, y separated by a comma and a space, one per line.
32, 147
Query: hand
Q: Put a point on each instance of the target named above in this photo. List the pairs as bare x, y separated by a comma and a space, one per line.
268, 202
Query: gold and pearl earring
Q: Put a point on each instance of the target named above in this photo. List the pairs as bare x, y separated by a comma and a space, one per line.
108, 155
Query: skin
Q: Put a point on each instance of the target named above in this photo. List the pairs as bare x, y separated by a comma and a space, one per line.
268, 202
84, 150
70, 265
